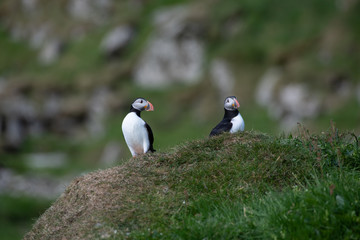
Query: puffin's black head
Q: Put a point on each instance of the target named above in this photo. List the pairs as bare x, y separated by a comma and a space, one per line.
231, 103
141, 104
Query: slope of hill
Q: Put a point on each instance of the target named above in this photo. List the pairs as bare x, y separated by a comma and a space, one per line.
245, 185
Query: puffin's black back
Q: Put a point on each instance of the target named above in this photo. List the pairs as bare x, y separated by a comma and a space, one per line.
151, 137
225, 124
148, 128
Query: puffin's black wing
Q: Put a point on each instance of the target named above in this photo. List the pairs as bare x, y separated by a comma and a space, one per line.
224, 126
151, 137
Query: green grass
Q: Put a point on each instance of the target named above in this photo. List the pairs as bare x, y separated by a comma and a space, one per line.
302, 212
17, 214
247, 185
317, 201
14, 55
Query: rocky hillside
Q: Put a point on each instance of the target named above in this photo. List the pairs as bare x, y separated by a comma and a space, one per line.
226, 187
65, 66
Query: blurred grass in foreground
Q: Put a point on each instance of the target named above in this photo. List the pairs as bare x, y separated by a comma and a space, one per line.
17, 215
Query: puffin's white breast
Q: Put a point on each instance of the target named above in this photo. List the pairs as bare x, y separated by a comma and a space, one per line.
135, 134
238, 124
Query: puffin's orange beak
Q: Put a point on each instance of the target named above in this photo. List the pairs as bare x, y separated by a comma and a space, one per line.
149, 107
237, 104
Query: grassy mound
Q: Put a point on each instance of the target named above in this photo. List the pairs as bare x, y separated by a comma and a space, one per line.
245, 185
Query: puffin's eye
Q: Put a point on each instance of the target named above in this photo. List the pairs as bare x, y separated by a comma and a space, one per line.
141, 101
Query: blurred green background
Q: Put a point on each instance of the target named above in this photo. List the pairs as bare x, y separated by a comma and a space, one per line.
70, 69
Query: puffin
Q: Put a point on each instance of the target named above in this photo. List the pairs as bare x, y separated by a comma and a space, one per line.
137, 133
232, 121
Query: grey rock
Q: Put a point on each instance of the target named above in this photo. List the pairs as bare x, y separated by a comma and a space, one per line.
298, 100
50, 52
111, 153
37, 186
298, 103
19, 115
265, 90
17, 105
222, 77
46, 160
14, 132
169, 56
97, 112
29, 6
170, 22
288, 103
166, 61
52, 106
116, 40
80, 9
39, 36
95, 11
